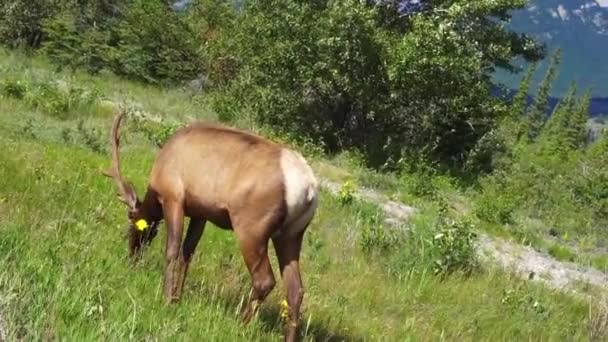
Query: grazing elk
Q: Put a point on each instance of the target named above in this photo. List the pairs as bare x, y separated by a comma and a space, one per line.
236, 180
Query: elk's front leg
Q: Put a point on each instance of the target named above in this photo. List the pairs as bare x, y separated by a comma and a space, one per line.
174, 264
193, 236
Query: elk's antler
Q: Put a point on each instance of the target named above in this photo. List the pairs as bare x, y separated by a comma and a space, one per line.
126, 193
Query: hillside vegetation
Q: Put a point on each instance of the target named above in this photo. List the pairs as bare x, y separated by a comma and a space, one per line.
386, 96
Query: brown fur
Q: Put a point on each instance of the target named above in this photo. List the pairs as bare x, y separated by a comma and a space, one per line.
231, 178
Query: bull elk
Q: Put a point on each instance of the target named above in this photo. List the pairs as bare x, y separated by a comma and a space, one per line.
237, 180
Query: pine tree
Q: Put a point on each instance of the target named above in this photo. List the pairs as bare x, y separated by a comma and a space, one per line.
578, 131
537, 114
555, 132
518, 105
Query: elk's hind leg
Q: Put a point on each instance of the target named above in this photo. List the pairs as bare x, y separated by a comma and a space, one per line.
253, 242
288, 249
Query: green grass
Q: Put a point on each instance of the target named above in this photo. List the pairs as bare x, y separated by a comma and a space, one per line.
65, 273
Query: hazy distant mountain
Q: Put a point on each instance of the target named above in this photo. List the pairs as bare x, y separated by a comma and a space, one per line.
580, 29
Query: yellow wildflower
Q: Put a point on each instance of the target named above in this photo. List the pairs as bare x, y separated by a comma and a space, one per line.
141, 224
284, 309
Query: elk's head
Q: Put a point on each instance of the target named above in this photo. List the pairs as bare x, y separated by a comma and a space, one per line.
140, 229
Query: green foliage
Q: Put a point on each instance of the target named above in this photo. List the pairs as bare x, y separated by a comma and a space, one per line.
566, 129
157, 132
496, 203
61, 100
142, 40
519, 299
69, 44
91, 137
551, 175
13, 88
420, 177
537, 114
346, 194
345, 74
518, 106
591, 184
560, 252
155, 44
378, 238
21, 21
299, 67
55, 98
334, 72
453, 246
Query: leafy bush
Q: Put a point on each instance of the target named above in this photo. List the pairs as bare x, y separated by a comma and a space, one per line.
495, 203
155, 44
142, 40
156, 131
560, 252
591, 184
61, 100
378, 238
13, 88
435, 242
346, 194
375, 236
68, 45
521, 299
56, 98
453, 246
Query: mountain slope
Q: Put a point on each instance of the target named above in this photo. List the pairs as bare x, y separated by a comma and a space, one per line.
580, 29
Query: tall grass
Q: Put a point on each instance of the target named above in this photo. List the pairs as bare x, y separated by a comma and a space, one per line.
65, 274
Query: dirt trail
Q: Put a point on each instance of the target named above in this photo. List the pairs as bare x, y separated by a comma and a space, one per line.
523, 261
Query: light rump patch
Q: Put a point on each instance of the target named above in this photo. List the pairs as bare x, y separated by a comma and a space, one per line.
301, 191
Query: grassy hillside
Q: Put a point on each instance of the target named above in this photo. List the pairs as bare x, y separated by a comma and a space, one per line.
63, 252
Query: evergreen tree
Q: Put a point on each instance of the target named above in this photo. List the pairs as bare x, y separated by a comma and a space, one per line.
555, 133
578, 131
520, 100
537, 114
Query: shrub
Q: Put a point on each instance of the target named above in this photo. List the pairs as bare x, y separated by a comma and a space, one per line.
375, 236
378, 238
68, 45
560, 252
50, 99
13, 88
141, 40
62, 100
346, 194
157, 132
496, 203
453, 246
156, 45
